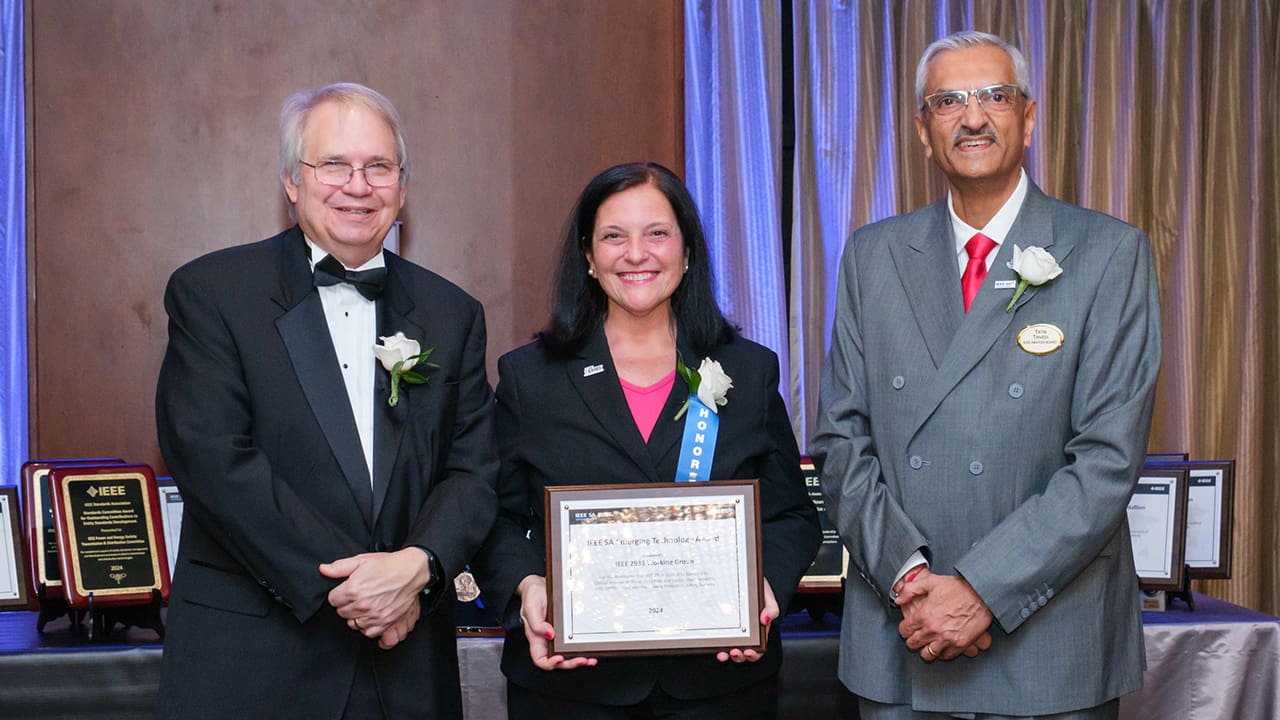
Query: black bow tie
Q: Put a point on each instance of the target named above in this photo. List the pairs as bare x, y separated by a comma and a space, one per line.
368, 282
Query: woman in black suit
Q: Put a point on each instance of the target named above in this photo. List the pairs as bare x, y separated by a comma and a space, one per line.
593, 400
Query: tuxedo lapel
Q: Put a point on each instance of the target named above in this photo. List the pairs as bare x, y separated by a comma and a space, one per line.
987, 321
305, 335
394, 308
595, 379
927, 266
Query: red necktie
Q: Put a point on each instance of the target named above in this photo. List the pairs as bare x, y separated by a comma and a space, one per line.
976, 271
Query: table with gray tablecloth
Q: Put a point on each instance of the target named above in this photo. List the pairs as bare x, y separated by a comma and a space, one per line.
1221, 662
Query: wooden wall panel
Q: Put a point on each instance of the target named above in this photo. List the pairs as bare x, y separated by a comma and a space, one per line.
154, 141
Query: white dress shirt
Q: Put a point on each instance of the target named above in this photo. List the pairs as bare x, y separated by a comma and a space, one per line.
353, 328
996, 229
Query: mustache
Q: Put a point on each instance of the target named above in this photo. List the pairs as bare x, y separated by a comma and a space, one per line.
964, 132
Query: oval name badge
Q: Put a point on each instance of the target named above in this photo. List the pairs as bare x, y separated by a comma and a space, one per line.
1040, 339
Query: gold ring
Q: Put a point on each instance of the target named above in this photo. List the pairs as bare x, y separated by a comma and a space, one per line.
355, 623
932, 655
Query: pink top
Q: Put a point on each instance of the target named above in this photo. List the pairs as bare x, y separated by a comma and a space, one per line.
646, 403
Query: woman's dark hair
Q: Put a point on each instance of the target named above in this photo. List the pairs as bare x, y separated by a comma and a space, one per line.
577, 302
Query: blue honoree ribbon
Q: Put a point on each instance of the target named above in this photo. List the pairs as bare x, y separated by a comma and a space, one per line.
698, 449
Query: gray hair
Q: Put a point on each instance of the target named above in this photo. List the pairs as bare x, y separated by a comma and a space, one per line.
293, 117
969, 39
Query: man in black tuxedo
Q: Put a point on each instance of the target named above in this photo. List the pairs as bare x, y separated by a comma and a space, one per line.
323, 523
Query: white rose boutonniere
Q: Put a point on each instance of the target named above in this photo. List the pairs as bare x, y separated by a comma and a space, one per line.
1034, 266
399, 355
709, 382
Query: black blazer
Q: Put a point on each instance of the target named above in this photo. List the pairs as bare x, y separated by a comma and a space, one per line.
557, 427
255, 425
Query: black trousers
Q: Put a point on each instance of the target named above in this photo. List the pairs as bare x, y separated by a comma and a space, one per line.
758, 701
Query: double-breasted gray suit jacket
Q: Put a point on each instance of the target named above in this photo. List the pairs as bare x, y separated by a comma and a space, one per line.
256, 426
936, 431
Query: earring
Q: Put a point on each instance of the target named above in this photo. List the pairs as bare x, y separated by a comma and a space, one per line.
686, 267
591, 271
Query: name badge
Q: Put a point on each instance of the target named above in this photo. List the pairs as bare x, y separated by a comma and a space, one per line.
1006, 284
1040, 339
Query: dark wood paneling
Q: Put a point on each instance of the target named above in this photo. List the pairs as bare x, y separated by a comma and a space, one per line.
154, 141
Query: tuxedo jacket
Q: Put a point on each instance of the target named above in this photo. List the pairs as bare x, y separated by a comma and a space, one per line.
562, 424
256, 427
938, 431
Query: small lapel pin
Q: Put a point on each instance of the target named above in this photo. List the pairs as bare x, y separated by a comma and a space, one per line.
590, 370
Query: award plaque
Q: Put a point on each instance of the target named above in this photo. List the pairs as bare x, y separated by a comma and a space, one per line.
663, 568
171, 514
42, 538
1210, 486
110, 535
13, 582
1158, 526
830, 565
1166, 457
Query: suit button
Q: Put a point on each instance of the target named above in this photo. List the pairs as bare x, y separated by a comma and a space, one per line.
898, 382
379, 546
916, 462
1048, 593
1015, 391
1042, 601
975, 468
1025, 613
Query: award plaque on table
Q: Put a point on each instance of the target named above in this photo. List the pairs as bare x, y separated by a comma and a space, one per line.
1158, 526
663, 568
110, 535
830, 565
171, 515
42, 537
13, 581
1210, 499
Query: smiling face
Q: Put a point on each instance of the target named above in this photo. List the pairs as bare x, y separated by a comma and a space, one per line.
348, 222
637, 252
976, 148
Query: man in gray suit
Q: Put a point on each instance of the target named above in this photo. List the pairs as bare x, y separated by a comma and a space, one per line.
981, 428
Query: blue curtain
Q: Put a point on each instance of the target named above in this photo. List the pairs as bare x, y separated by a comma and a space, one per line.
733, 158
846, 165
13, 247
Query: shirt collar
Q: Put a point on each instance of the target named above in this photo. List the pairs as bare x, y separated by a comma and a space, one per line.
315, 254
999, 225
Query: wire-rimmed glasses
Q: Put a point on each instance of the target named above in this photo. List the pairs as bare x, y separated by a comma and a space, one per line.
993, 98
333, 172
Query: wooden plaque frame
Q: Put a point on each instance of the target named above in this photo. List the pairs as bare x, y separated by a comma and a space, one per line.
75, 542
1178, 479
11, 546
37, 513
657, 500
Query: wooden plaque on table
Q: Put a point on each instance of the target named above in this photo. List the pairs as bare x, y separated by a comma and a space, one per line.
110, 535
171, 507
654, 568
13, 561
831, 564
37, 511
1210, 515
1157, 514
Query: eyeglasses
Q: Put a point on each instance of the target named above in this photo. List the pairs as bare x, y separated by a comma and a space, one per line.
993, 98
378, 174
